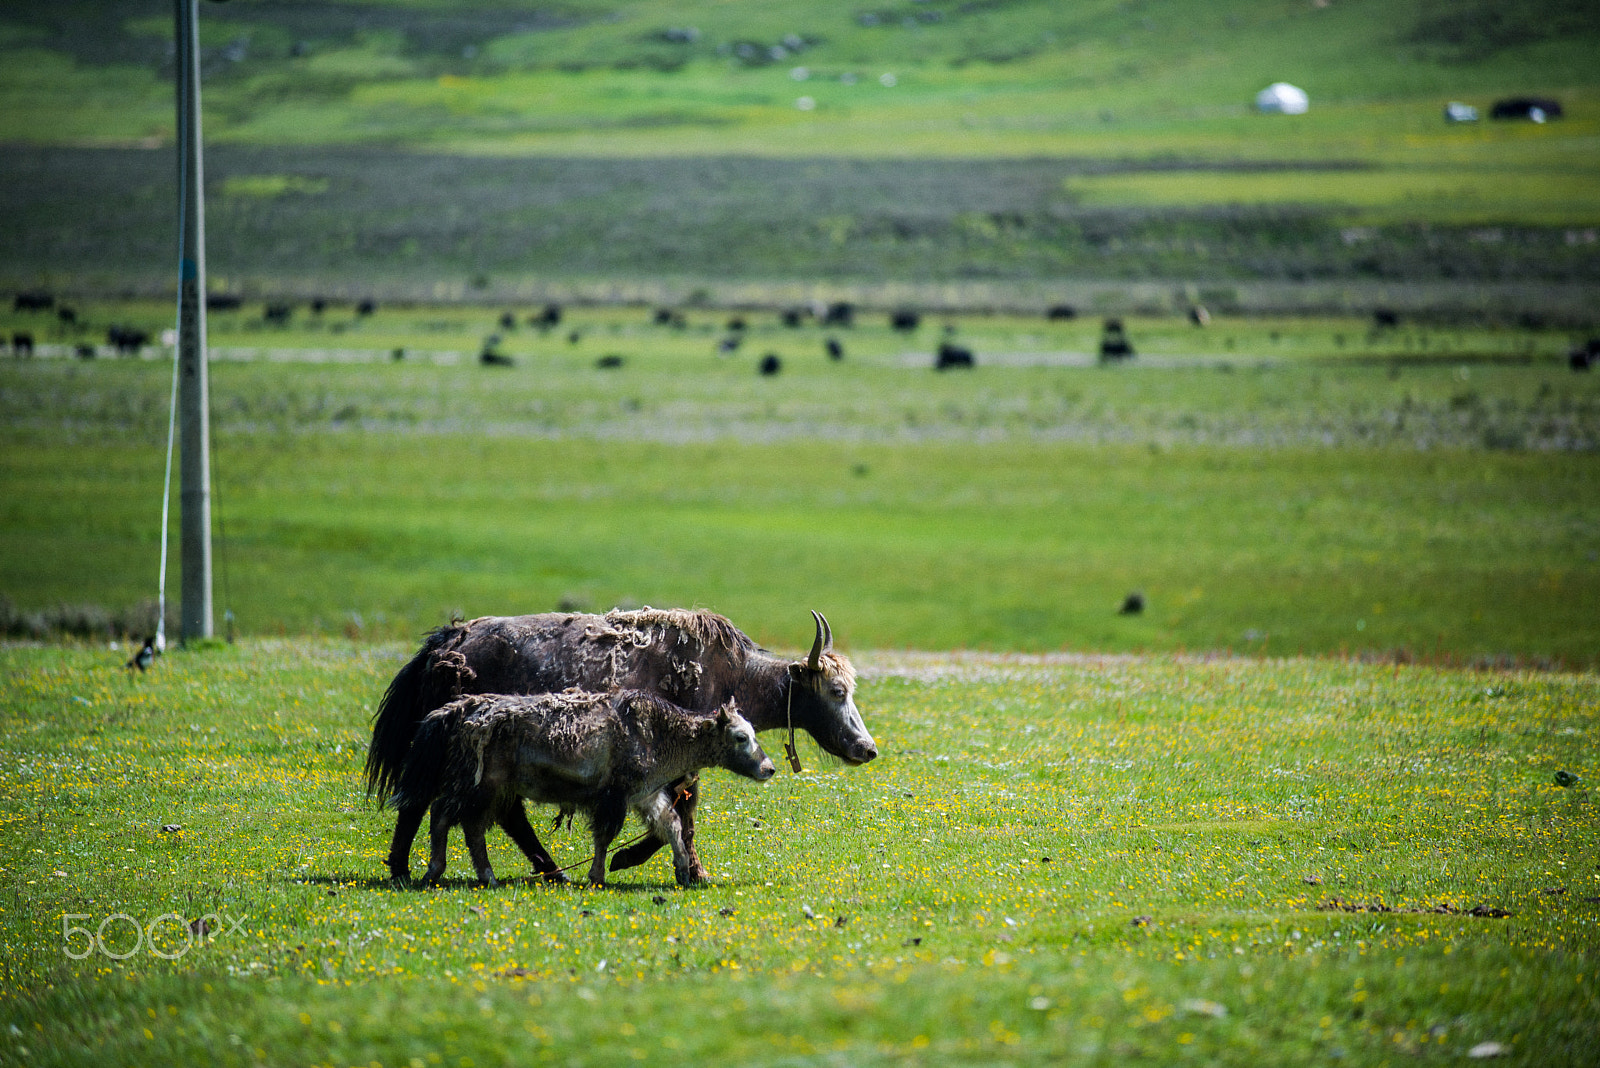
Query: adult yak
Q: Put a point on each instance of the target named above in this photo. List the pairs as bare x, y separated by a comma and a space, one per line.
694, 659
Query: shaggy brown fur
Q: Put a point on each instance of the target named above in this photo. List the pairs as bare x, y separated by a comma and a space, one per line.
695, 659
600, 754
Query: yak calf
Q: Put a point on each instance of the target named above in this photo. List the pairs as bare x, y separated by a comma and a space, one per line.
598, 753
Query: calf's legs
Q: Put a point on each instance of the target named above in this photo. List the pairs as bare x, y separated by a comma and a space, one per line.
662, 819
513, 819
686, 794
473, 829
608, 817
439, 833
405, 831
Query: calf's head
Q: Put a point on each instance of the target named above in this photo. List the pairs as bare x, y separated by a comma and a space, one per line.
741, 753
823, 695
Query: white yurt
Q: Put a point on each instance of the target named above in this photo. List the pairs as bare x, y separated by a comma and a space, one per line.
1281, 98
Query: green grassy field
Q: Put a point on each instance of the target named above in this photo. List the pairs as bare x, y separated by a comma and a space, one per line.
1327, 799
1276, 485
1087, 858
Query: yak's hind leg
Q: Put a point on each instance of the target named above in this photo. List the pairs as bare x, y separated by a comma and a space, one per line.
608, 817
439, 832
405, 832
662, 819
513, 819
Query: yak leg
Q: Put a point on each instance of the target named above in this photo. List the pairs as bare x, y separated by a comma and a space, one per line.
513, 819
662, 819
405, 832
635, 854
479, 850
687, 792
688, 800
439, 833
609, 816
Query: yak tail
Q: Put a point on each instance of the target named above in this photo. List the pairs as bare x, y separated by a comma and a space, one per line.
422, 776
429, 680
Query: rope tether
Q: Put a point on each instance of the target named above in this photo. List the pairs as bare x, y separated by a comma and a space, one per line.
788, 747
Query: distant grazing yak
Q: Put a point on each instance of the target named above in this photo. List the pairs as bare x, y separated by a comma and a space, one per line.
1114, 343
126, 340
840, 313
1530, 108
952, 355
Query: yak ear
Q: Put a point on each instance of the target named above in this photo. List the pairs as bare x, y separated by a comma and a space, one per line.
723, 719
796, 670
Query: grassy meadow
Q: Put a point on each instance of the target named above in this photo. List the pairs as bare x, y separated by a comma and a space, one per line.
1161, 859
1325, 799
1277, 486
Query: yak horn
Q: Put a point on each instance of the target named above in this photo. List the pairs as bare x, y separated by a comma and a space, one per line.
827, 634
814, 660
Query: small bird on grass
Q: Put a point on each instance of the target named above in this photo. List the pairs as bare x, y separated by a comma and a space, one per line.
143, 658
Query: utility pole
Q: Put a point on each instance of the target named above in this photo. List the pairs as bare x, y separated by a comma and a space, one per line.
194, 404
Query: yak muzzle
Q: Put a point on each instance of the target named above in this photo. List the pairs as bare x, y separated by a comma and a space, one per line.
860, 753
765, 771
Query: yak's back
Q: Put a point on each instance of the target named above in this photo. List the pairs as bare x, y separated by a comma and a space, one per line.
670, 652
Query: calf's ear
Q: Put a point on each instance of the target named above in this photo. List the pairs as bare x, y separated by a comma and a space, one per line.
722, 716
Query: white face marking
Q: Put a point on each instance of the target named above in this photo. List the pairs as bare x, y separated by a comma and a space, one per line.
837, 694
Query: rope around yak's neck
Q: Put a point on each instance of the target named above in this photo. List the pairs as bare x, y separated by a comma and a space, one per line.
788, 714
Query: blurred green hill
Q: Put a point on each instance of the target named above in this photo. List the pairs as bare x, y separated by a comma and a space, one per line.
968, 76
1117, 138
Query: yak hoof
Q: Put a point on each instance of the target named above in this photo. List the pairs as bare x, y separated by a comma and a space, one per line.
556, 877
487, 879
400, 880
